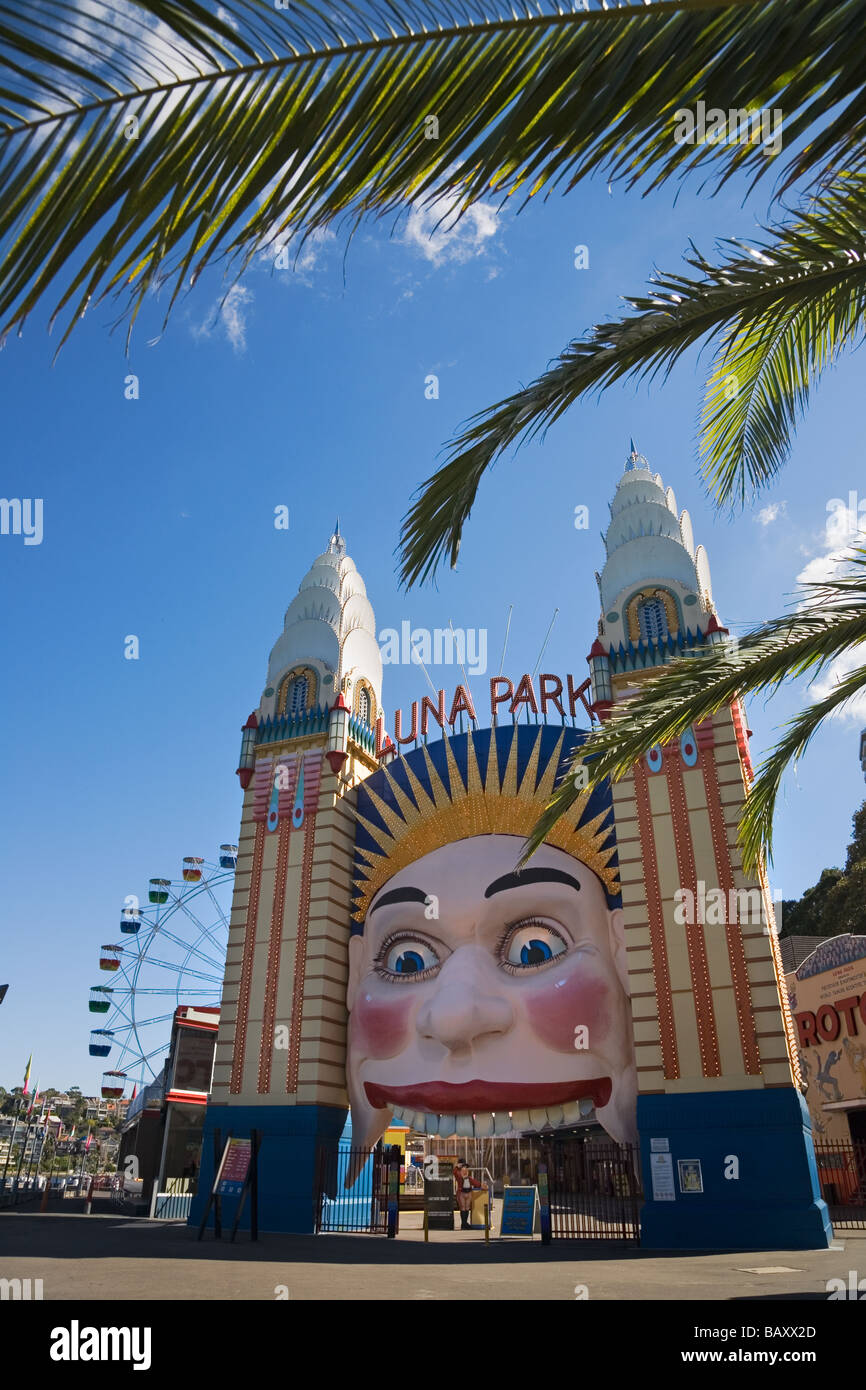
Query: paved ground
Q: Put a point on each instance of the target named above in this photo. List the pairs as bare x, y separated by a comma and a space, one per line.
111, 1257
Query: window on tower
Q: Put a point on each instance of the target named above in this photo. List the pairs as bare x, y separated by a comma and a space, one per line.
365, 710
296, 697
652, 620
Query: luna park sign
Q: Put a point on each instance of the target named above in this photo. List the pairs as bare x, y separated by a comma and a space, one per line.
506, 697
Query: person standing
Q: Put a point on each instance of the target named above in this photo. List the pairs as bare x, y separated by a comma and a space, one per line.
466, 1185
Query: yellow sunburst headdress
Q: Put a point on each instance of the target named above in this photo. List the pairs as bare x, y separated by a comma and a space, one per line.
488, 782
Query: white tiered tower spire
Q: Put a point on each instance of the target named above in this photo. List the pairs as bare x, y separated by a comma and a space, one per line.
655, 588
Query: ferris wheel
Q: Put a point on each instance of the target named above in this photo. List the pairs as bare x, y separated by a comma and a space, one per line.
172, 952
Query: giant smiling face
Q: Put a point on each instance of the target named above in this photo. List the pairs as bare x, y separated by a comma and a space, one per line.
475, 992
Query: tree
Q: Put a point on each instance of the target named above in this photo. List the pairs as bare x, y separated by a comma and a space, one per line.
805, 916
10, 1101
140, 144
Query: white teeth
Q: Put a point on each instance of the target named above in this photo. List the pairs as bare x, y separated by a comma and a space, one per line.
487, 1123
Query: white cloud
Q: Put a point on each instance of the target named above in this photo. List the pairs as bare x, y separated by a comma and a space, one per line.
228, 314
767, 515
844, 529
434, 232
855, 709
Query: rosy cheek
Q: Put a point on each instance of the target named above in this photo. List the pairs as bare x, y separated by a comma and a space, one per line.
560, 1002
380, 1027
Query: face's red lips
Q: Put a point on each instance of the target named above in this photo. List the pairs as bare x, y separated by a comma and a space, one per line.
446, 1098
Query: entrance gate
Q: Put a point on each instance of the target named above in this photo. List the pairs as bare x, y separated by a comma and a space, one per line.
595, 1190
363, 1207
842, 1174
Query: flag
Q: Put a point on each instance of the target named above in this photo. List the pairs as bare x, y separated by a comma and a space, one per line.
33, 1100
134, 1093
89, 1141
27, 1073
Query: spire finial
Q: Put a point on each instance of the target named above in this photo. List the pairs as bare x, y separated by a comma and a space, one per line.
337, 545
635, 458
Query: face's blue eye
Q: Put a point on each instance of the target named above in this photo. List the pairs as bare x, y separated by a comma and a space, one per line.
409, 957
408, 962
533, 945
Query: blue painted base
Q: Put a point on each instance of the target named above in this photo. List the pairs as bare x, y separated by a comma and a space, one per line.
775, 1202
287, 1161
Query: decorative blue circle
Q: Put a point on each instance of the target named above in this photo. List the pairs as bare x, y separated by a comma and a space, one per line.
689, 748
654, 758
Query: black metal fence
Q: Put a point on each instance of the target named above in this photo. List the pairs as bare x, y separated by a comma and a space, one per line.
351, 1190
595, 1191
842, 1175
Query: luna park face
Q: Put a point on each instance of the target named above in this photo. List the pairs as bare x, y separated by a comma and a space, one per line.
483, 1002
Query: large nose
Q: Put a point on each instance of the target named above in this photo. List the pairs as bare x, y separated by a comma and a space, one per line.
467, 1005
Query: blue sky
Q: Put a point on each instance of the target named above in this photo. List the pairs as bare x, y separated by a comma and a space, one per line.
308, 391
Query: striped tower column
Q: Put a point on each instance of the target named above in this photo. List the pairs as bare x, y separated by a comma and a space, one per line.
716, 1055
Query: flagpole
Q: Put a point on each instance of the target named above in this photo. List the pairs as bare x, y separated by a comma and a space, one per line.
18, 1102
37, 1122
21, 1159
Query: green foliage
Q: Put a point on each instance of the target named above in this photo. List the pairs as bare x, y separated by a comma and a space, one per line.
255, 124
782, 310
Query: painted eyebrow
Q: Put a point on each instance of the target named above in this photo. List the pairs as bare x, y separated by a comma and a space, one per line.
530, 876
400, 895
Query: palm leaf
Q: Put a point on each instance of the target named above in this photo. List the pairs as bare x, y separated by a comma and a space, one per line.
783, 309
756, 824
694, 688
257, 124
773, 356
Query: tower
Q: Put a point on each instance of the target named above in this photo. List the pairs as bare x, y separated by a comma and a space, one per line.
280, 1056
716, 1055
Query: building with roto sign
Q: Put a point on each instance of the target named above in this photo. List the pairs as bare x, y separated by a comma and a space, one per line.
828, 1000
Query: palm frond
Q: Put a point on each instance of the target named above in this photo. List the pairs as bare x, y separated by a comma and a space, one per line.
257, 123
692, 689
773, 356
762, 299
755, 832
